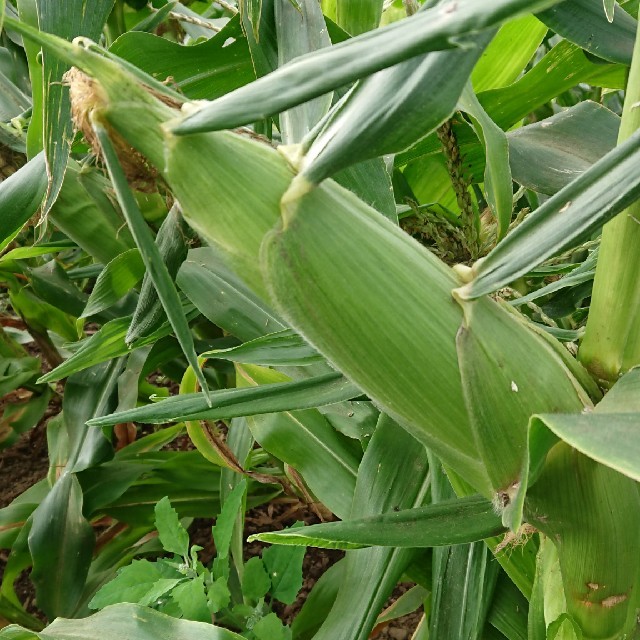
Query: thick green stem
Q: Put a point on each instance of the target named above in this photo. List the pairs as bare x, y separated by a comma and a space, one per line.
611, 344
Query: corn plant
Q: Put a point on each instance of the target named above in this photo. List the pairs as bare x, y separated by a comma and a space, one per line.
442, 360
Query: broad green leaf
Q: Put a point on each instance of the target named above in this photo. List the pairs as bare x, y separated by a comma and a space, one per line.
192, 600
255, 580
230, 403
172, 534
84, 196
91, 393
452, 522
547, 155
150, 253
14, 372
133, 583
61, 542
123, 621
223, 528
358, 16
508, 53
318, 603
42, 316
285, 348
222, 297
20, 197
68, 20
509, 610
201, 71
300, 29
371, 182
305, 440
52, 284
574, 213
218, 595
285, 570
271, 628
316, 73
115, 280
586, 24
497, 177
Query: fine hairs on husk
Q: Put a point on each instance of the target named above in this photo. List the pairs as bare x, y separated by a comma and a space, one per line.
86, 95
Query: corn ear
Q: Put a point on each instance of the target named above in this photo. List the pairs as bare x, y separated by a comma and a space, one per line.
505, 382
592, 514
418, 95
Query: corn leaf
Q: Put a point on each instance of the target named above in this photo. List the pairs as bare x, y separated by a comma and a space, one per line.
150, 254
451, 522
305, 440
123, 621
222, 297
115, 280
61, 542
547, 155
393, 473
497, 177
231, 403
320, 72
108, 342
68, 19
172, 241
608, 434
464, 578
356, 130
285, 348
508, 53
573, 214
358, 16
20, 197
301, 29
207, 70
603, 34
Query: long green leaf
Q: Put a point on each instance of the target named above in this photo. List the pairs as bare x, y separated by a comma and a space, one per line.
225, 299
573, 214
231, 403
608, 435
301, 29
61, 544
150, 253
20, 197
393, 474
357, 129
285, 348
358, 16
315, 74
67, 19
497, 177
547, 155
585, 23
115, 280
123, 621
173, 245
305, 440
451, 522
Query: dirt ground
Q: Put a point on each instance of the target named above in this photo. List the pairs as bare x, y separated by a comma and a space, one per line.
26, 462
